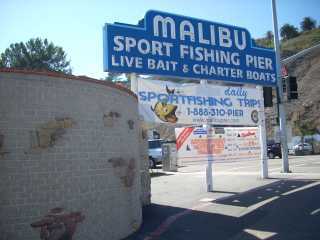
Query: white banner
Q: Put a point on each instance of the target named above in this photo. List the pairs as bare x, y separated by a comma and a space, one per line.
167, 102
222, 144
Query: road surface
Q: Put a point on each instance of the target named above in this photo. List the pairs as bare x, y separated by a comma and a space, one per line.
242, 206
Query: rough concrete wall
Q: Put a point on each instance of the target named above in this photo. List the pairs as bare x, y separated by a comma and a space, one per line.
144, 167
68, 144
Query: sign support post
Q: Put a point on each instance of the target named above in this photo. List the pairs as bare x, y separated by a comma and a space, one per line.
209, 172
133, 83
209, 176
282, 113
263, 139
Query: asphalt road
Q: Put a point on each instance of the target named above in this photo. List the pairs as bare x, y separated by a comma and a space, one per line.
242, 206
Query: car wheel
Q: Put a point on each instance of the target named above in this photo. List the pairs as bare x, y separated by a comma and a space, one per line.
152, 163
271, 155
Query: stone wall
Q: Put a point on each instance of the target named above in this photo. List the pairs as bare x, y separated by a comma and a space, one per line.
144, 166
69, 146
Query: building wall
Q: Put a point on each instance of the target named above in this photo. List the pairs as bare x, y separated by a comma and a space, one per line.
71, 143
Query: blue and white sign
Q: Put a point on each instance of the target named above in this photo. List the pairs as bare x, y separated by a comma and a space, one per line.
173, 45
197, 104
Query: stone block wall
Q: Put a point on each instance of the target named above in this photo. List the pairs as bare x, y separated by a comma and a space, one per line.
144, 168
68, 144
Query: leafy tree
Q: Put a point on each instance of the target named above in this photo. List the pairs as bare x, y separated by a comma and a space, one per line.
307, 24
122, 79
306, 129
36, 54
269, 35
288, 31
112, 76
266, 41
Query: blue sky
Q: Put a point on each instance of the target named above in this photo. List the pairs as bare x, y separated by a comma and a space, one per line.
76, 25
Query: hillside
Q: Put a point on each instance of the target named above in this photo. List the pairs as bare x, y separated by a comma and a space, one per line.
303, 41
303, 113
307, 108
294, 45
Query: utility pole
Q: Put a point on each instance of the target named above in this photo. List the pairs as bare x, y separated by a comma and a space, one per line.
282, 113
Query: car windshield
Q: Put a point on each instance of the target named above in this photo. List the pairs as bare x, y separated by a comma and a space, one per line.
154, 144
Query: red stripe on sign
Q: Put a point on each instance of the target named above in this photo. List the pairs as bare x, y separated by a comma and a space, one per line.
183, 136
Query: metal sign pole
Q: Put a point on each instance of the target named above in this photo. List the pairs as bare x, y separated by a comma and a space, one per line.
209, 176
263, 137
282, 113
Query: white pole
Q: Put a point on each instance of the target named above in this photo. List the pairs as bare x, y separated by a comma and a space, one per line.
133, 83
209, 176
282, 113
263, 137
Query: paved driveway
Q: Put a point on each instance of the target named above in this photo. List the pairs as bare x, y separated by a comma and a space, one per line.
242, 206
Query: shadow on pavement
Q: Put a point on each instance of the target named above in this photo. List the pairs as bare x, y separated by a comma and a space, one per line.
225, 192
288, 217
260, 194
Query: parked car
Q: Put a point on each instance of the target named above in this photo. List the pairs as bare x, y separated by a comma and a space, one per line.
274, 150
303, 148
155, 152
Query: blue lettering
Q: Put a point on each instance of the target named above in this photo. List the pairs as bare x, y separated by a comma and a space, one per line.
173, 99
237, 92
227, 102
191, 100
206, 101
151, 95
199, 100
143, 96
163, 97
183, 99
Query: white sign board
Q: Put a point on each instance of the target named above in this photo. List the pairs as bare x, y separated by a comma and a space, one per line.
168, 102
221, 144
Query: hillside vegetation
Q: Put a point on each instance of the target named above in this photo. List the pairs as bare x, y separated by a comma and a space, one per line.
303, 41
292, 46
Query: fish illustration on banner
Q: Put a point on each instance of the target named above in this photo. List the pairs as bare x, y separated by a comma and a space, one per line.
164, 111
